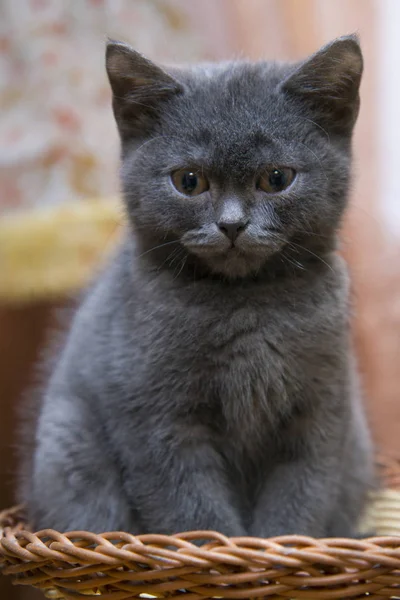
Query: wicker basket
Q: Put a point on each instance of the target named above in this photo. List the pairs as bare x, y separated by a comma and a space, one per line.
120, 566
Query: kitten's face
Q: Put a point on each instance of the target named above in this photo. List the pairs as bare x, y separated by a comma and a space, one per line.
235, 168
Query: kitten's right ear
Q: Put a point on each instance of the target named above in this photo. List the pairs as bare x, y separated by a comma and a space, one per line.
139, 88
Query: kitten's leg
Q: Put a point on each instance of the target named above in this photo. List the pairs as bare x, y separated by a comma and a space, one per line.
75, 484
296, 499
358, 480
171, 478
178, 481
302, 494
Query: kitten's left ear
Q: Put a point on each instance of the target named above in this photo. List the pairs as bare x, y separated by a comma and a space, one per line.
139, 89
329, 81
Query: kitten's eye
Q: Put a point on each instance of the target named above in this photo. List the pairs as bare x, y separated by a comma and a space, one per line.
276, 180
189, 182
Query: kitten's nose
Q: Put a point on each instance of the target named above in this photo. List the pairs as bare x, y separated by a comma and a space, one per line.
232, 229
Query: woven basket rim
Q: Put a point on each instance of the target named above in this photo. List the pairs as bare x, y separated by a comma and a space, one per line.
206, 564
120, 566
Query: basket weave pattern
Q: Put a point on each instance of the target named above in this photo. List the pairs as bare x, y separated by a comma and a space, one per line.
120, 566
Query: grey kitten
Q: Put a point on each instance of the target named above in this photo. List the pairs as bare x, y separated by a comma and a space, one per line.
208, 380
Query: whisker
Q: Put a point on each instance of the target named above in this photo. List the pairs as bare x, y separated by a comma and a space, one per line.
286, 261
317, 125
174, 256
293, 245
154, 139
181, 269
321, 235
316, 157
354, 204
170, 255
293, 262
159, 246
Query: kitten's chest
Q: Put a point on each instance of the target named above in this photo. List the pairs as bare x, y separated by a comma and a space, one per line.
232, 356
242, 373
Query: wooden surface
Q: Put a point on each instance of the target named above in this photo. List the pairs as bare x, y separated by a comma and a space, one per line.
22, 333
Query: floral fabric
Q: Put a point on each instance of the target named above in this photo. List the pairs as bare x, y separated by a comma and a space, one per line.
58, 141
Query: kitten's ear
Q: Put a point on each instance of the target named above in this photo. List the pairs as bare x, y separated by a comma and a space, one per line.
329, 81
139, 88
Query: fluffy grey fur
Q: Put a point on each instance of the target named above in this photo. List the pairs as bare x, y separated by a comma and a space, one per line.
205, 383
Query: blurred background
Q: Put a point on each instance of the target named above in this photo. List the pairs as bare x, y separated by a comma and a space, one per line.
59, 212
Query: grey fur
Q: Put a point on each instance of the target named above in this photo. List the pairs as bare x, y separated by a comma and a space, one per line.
203, 386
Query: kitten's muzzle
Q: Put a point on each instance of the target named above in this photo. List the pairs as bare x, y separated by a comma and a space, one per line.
232, 229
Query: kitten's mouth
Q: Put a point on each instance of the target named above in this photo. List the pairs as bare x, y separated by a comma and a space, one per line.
235, 249
233, 262
233, 258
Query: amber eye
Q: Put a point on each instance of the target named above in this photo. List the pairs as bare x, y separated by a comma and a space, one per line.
190, 183
275, 180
